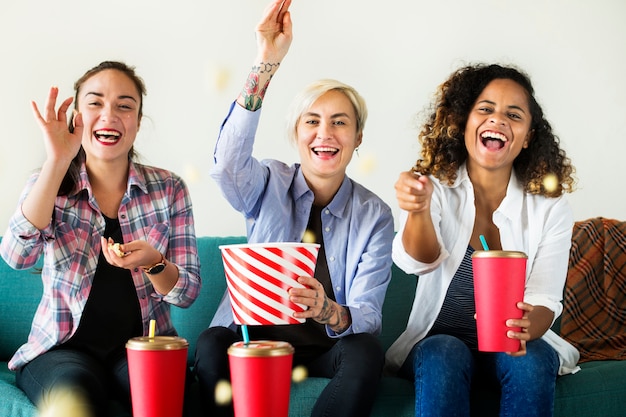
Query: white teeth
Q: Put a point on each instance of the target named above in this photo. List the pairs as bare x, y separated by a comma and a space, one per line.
107, 133
324, 149
493, 135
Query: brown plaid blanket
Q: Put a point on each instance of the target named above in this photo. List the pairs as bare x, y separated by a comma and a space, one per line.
594, 302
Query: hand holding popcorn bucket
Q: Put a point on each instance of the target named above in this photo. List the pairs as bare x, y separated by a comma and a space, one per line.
258, 277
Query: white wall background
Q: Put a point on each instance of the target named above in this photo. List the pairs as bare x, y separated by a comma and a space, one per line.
194, 56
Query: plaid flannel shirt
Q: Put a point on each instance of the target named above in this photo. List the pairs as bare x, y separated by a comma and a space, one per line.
156, 207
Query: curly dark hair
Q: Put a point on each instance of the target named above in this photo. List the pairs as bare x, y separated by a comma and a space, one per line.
71, 176
442, 141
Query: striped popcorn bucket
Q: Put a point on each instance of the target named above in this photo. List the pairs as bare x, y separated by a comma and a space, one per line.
259, 277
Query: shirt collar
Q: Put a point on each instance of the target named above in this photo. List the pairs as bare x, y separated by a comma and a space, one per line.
512, 204
135, 178
300, 187
338, 204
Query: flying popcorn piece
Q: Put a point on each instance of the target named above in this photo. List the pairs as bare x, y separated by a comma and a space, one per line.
367, 164
550, 182
64, 403
308, 237
191, 173
217, 77
223, 393
299, 374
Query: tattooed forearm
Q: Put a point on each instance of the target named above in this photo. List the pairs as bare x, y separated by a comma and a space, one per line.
335, 316
256, 85
327, 312
344, 320
266, 67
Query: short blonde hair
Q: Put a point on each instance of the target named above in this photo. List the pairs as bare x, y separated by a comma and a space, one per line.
315, 90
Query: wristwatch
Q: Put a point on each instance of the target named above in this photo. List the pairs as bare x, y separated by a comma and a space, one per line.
155, 268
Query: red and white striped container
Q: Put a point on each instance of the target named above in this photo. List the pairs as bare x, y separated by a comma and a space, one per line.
259, 277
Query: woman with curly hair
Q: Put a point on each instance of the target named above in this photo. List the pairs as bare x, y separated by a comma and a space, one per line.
490, 165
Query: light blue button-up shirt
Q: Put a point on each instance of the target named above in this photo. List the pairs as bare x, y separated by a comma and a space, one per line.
276, 201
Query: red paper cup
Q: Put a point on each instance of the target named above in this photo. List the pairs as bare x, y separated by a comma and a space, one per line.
259, 277
260, 375
157, 368
499, 280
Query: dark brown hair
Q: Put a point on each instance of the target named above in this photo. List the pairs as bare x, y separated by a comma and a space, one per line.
71, 176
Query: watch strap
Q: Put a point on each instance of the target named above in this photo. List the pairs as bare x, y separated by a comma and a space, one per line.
156, 267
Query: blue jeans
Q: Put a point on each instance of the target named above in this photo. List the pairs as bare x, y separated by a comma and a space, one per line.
354, 365
445, 372
78, 373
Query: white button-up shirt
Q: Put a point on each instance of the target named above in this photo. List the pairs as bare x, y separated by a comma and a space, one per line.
538, 226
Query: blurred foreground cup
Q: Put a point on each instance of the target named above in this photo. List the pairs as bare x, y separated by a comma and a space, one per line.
260, 375
157, 367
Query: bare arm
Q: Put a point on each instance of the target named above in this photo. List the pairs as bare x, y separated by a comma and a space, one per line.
61, 147
414, 194
274, 35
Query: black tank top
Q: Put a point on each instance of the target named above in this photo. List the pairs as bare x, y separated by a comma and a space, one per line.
112, 314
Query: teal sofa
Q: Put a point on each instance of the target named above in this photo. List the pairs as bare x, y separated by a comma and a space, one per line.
598, 390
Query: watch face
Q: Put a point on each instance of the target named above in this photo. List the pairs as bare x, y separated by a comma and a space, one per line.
156, 269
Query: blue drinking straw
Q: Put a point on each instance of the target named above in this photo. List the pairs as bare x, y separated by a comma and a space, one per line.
244, 332
484, 242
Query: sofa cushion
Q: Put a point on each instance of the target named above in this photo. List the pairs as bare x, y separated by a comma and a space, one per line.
598, 389
23, 289
13, 401
190, 322
397, 305
594, 304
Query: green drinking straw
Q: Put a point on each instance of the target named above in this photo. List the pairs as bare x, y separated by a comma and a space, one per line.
244, 332
484, 242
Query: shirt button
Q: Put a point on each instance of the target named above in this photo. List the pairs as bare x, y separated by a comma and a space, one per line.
123, 216
136, 269
332, 259
338, 289
327, 211
327, 229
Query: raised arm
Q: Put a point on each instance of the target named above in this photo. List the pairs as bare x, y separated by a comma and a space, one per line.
273, 36
61, 147
414, 194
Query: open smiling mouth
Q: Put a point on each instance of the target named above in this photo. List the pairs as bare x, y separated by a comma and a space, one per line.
107, 136
493, 140
324, 150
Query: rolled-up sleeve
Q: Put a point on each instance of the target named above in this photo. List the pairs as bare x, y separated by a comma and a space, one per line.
183, 250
